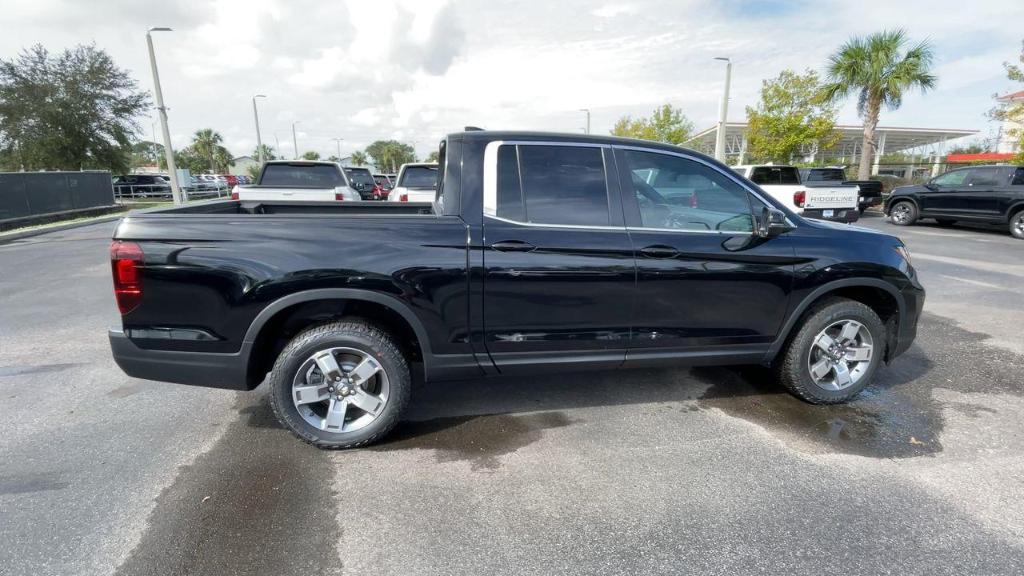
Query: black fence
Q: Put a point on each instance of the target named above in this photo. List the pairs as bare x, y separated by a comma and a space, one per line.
35, 193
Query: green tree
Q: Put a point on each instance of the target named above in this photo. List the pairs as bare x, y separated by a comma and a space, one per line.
791, 115
311, 155
268, 153
187, 159
358, 158
666, 124
67, 111
880, 69
432, 157
390, 154
207, 143
1011, 114
146, 153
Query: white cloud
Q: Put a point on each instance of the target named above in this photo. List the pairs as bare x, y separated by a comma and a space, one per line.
416, 69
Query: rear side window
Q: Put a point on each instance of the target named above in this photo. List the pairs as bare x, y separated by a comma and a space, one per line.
1018, 177
424, 177
775, 175
552, 185
301, 176
986, 177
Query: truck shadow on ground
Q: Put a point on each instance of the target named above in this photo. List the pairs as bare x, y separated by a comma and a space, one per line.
896, 417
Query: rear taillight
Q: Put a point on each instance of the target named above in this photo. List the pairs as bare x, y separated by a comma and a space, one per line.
126, 266
234, 195
799, 197
403, 197
339, 196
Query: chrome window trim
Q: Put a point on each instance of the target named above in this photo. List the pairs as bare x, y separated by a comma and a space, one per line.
491, 178
541, 225
730, 174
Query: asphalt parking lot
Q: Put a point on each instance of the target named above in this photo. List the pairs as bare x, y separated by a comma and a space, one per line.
687, 471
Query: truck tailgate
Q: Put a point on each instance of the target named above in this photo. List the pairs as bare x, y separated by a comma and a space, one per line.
831, 197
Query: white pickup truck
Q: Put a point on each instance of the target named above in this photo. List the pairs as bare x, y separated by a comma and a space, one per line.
836, 203
300, 180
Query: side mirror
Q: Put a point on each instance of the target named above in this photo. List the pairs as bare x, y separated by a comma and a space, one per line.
773, 223
931, 185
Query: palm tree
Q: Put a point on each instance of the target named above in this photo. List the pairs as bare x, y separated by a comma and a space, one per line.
358, 158
880, 70
207, 144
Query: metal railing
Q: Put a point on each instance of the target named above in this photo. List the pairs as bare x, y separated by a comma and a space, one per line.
124, 193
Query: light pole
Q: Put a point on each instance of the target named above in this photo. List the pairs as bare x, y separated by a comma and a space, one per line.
338, 141
587, 110
256, 117
295, 142
723, 112
168, 151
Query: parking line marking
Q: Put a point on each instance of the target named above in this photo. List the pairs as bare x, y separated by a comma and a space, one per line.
974, 282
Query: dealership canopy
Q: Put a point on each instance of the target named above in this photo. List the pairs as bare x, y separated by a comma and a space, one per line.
928, 142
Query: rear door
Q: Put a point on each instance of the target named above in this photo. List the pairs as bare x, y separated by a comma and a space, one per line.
980, 198
559, 272
706, 284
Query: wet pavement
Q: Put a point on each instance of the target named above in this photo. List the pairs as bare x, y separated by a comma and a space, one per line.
710, 470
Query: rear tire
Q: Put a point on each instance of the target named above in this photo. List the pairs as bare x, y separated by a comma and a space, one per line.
340, 385
1017, 225
903, 213
814, 370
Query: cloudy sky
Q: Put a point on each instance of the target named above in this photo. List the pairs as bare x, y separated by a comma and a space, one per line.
415, 70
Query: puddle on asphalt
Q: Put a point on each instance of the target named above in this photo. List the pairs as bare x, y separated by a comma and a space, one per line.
896, 417
480, 440
877, 424
258, 502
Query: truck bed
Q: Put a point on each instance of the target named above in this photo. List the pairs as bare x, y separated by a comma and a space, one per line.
234, 207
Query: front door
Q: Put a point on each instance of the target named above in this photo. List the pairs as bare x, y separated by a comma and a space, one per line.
945, 193
706, 283
558, 264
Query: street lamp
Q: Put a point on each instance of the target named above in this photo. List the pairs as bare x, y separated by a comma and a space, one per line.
256, 117
168, 151
587, 110
723, 112
295, 142
338, 141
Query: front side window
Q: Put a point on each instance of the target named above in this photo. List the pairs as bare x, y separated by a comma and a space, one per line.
543, 184
954, 178
687, 195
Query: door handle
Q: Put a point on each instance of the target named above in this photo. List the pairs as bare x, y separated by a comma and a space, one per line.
513, 246
659, 251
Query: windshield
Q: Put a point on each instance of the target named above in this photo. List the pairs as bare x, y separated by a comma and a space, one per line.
419, 177
775, 175
360, 176
301, 175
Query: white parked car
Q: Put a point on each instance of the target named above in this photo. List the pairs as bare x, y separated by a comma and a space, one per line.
299, 180
416, 183
838, 203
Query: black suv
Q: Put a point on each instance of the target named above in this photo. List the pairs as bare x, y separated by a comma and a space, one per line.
142, 185
987, 194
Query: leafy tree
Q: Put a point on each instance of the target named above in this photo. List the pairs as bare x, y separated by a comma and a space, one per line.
390, 154
666, 124
432, 157
67, 111
333, 158
187, 159
1012, 113
792, 114
146, 153
974, 147
358, 158
268, 153
207, 143
311, 155
880, 69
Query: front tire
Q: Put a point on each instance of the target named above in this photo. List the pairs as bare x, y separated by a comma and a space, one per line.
903, 213
834, 353
340, 385
1017, 225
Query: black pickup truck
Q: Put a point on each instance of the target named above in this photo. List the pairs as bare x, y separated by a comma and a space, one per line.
542, 252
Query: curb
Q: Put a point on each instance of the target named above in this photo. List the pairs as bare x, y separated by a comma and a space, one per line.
9, 236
